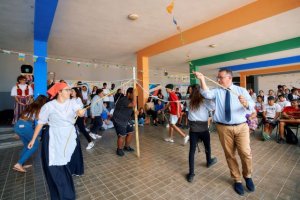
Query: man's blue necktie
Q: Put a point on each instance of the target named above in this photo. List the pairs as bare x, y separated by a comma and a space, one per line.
227, 106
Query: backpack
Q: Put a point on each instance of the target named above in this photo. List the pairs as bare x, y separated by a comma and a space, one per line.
290, 137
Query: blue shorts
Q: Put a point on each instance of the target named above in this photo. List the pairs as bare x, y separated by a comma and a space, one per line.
123, 130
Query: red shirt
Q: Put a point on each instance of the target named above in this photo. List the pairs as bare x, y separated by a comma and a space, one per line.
294, 112
174, 105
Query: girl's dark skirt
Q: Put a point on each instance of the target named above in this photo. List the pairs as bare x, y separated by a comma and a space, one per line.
76, 163
59, 178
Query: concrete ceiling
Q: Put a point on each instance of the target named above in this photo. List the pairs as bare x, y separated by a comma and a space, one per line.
99, 31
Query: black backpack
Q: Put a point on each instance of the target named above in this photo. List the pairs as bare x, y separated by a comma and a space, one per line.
290, 137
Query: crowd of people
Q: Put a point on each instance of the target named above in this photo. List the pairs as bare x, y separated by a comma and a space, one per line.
69, 111
279, 108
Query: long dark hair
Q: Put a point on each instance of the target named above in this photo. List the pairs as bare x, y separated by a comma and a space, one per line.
196, 99
78, 93
34, 108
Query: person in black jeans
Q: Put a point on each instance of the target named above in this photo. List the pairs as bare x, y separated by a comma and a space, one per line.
96, 111
198, 119
77, 96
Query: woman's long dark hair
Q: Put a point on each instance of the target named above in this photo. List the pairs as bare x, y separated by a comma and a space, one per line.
34, 108
78, 93
196, 99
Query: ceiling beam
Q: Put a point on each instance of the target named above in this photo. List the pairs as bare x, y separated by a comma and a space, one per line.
265, 63
253, 12
272, 70
250, 52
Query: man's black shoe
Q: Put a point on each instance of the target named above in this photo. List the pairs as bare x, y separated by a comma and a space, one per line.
128, 149
281, 141
250, 184
212, 162
238, 188
190, 177
120, 152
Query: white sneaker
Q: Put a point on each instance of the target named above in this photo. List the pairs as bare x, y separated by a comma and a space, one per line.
98, 136
90, 145
93, 135
169, 140
186, 139
87, 129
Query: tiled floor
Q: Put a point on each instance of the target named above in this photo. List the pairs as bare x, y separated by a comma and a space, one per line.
160, 171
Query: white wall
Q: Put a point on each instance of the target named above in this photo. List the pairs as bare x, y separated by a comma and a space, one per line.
10, 70
266, 82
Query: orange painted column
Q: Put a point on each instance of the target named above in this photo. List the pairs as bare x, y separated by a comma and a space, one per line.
143, 79
243, 81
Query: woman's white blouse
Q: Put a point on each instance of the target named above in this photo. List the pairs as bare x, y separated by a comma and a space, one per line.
62, 133
23, 88
201, 114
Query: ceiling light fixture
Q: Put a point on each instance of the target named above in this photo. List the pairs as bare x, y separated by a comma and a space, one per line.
133, 16
212, 45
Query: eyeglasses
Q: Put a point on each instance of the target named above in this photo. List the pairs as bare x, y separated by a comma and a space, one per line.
221, 77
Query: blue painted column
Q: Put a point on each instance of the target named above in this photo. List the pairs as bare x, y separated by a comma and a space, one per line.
44, 12
40, 68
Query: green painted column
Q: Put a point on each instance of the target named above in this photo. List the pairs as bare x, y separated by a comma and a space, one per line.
193, 68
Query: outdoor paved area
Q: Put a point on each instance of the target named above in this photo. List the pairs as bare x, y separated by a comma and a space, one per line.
160, 172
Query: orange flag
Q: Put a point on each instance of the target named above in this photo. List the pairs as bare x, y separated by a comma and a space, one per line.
170, 7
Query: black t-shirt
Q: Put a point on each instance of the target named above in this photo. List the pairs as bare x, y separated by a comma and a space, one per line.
142, 116
122, 112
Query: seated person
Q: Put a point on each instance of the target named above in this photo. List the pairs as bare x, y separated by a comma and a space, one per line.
259, 106
270, 117
141, 117
252, 120
290, 116
150, 110
159, 109
283, 102
107, 123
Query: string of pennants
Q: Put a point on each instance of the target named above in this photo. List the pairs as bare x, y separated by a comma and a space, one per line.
22, 57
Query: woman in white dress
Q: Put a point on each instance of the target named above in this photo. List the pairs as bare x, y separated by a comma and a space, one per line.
58, 140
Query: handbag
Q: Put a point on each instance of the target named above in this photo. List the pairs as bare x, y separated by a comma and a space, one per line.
198, 126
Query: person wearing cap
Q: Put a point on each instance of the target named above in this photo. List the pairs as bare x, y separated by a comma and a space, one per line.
58, 140
290, 116
22, 94
271, 114
232, 104
175, 110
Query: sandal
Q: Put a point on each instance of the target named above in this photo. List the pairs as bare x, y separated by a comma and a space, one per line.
27, 166
19, 169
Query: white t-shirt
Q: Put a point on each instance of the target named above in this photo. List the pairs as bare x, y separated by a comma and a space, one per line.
284, 104
272, 110
23, 88
259, 106
105, 92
